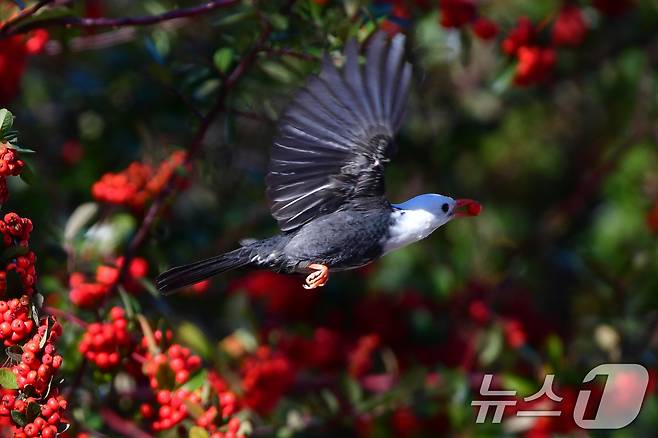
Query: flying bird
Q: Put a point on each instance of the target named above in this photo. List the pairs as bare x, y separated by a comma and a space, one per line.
326, 177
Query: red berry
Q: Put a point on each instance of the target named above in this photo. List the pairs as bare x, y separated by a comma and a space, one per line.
485, 29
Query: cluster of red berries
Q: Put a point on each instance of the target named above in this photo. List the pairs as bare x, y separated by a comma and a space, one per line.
400, 14
535, 59
84, 294
137, 184
172, 408
105, 343
323, 351
10, 164
176, 359
44, 420
535, 62
266, 376
87, 294
109, 275
14, 229
34, 409
515, 335
13, 57
457, 13
228, 401
454, 14
179, 363
232, 429
39, 360
15, 232
16, 322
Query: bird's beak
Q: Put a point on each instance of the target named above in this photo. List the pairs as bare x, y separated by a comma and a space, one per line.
467, 207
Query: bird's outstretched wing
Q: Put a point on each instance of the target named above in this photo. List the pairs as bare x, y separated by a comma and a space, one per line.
337, 134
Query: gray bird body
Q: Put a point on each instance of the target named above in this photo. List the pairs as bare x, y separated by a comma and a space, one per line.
326, 178
343, 240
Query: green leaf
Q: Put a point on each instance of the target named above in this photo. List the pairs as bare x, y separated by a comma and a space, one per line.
353, 390
193, 336
523, 386
277, 71
46, 335
231, 19
130, 303
11, 137
223, 58
6, 121
30, 391
198, 432
194, 409
18, 148
165, 376
148, 334
8, 379
147, 284
79, 219
12, 252
490, 345
33, 411
504, 80
279, 21
19, 418
27, 175
196, 381
352, 7
331, 400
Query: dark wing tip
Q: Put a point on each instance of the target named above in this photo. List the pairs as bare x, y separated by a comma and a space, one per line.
166, 282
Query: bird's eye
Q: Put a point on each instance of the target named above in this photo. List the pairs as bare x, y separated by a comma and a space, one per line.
445, 207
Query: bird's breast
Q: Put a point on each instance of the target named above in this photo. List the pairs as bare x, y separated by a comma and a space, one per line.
406, 227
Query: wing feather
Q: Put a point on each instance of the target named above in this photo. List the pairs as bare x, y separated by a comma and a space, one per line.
337, 133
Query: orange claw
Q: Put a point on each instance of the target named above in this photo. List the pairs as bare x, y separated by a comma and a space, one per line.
318, 277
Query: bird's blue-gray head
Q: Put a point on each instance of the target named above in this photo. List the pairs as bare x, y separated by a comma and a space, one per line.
442, 208
418, 217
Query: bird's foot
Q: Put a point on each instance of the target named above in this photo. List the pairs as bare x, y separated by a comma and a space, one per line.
318, 277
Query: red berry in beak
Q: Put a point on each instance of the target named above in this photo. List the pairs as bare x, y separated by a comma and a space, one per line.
467, 207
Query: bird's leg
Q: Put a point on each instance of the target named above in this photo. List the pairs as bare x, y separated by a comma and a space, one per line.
318, 277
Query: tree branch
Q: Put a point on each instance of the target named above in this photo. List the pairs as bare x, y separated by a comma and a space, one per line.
104, 22
193, 147
23, 15
288, 52
119, 424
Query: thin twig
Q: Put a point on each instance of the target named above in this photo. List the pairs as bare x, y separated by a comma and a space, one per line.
104, 22
193, 148
288, 52
124, 427
23, 15
253, 116
65, 315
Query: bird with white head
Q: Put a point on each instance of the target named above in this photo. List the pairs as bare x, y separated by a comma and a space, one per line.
326, 178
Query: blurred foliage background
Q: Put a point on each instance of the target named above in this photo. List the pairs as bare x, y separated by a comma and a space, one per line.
557, 275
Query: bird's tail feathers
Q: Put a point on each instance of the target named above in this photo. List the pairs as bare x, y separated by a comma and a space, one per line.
181, 276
